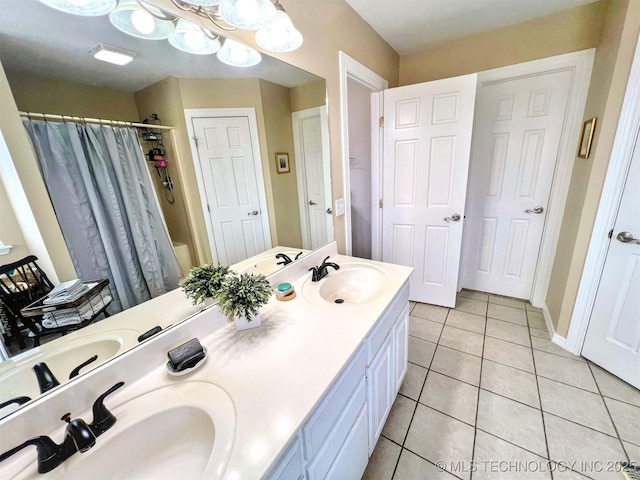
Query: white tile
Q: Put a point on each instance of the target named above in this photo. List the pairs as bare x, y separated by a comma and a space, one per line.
508, 331
565, 370
424, 329
383, 460
569, 442
508, 353
430, 312
627, 420
510, 382
633, 451
483, 297
421, 351
562, 472
412, 467
550, 347
411, 305
450, 396
438, 437
466, 321
507, 314
612, 387
497, 459
461, 366
512, 421
462, 340
506, 301
470, 305
536, 332
413, 381
531, 308
536, 320
397, 424
575, 404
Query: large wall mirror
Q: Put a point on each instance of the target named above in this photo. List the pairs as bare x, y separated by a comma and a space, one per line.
45, 55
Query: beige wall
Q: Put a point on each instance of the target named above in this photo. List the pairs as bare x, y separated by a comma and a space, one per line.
309, 95
615, 51
327, 27
42, 95
563, 32
44, 238
10, 232
276, 105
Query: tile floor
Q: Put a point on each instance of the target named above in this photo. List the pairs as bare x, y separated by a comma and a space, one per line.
487, 391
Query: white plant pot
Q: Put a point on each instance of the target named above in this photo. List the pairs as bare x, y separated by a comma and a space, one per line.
243, 324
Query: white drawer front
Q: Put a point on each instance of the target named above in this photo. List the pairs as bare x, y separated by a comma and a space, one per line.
291, 464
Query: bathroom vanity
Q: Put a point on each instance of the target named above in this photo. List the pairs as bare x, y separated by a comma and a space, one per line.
303, 396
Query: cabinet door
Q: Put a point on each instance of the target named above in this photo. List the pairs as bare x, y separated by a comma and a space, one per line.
291, 464
381, 383
400, 344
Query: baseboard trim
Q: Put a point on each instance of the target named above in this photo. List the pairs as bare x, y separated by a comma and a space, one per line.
555, 338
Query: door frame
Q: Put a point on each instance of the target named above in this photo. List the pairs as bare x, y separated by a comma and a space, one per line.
351, 69
580, 63
627, 133
301, 173
192, 113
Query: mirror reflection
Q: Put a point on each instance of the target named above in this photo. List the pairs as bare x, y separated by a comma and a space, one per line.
237, 157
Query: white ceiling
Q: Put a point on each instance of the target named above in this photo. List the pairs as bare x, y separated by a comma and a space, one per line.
412, 25
40, 40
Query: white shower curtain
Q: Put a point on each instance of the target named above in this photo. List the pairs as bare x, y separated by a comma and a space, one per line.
106, 206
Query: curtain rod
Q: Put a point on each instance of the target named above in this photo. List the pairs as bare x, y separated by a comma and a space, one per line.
64, 118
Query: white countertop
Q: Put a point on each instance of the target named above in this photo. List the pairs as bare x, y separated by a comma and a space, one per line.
275, 374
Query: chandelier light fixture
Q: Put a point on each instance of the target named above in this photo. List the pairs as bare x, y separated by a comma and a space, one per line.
275, 30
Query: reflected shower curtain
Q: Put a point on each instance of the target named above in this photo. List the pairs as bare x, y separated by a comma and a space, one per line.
107, 209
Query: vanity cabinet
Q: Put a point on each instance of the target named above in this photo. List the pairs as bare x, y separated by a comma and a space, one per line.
341, 433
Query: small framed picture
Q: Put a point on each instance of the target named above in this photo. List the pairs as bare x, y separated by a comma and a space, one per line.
282, 163
587, 137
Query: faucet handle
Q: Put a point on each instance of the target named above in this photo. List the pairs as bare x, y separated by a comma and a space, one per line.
103, 419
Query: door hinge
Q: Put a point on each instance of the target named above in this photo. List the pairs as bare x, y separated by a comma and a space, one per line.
195, 139
380, 203
381, 122
610, 235
208, 208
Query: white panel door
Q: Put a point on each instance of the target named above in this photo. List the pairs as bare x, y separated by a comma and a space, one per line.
517, 135
228, 167
427, 141
313, 175
613, 336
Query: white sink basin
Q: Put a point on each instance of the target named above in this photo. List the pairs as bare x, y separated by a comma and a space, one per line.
18, 379
185, 430
354, 283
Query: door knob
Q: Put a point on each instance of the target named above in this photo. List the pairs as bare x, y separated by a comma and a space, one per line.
626, 237
329, 211
311, 202
453, 218
539, 209
255, 212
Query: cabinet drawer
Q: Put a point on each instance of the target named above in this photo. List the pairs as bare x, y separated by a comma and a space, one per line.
353, 457
385, 324
327, 415
336, 440
291, 465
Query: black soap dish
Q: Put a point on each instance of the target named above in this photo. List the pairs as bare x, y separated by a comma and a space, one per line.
186, 358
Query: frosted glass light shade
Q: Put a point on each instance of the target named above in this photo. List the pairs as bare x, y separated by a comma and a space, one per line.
238, 55
89, 8
204, 3
190, 38
248, 14
280, 36
129, 17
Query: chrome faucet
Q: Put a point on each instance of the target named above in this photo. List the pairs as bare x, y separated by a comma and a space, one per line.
79, 437
321, 270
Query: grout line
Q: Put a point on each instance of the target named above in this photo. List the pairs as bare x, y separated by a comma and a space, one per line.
427, 460
514, 444
615, 427
544, 424
475, 426
584, 426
